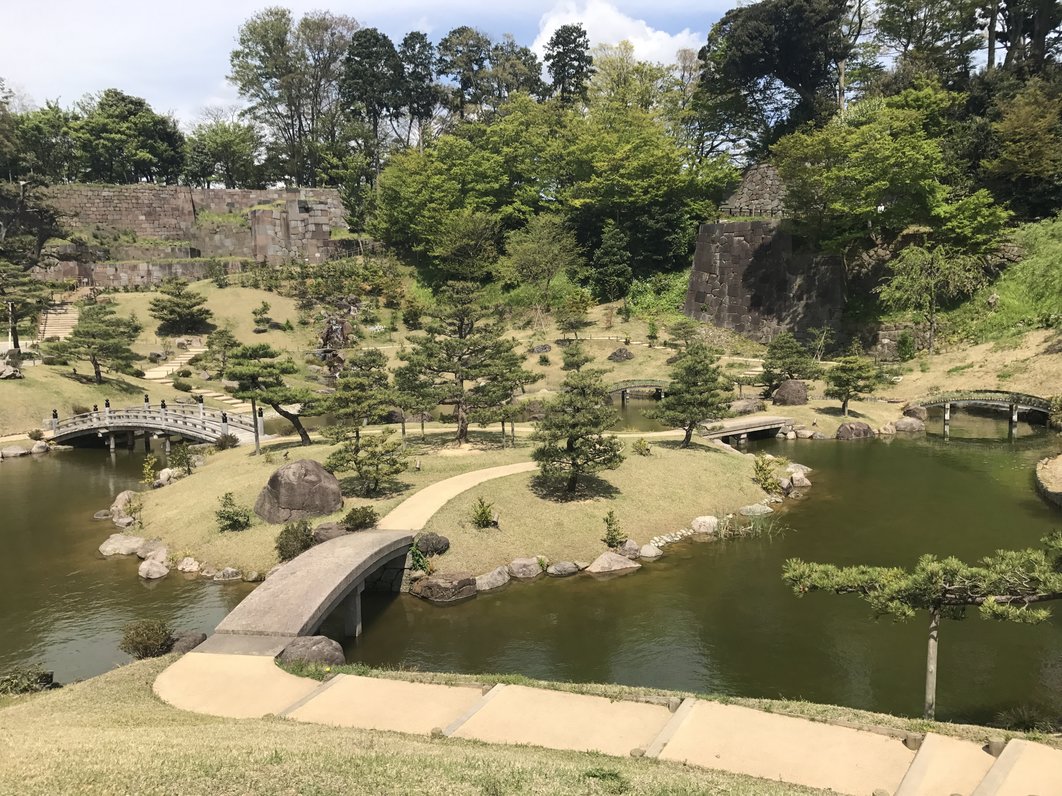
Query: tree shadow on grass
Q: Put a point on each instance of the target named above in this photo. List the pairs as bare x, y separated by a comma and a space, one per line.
835, 411
352, 487
115, 384
590, 487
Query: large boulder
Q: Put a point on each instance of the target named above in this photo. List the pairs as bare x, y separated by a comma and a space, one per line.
855, 430
13, 452
152, 569
791, 392
121, 544
747, 406
650, 552
431, 544
799, 480
620, 355
152, 548
313, 649
630, 549
910, 425
329, 530
188, 564
298, 491
494, 579
445, 588
916, 411
525, 568
9, 372
121, 502
39, 447
609, 563
706, 524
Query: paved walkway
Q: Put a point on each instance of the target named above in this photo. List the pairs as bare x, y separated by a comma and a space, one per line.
694, 732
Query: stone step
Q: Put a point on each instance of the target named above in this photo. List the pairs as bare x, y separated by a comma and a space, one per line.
1024, 768
945, 765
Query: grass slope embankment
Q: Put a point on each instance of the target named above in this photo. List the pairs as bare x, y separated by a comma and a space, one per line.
110, 734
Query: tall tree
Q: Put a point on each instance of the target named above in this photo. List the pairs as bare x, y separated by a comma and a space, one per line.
46, 143
372, 84
940, 37
259, 372
420, 94
787, 358
180, 310
225, 149
220, 345
611, 275
27, 220
415, 393
122, 140
1007, 586
621, 79
289, 71
103, 338
514, 68
363, 393
697, 392
540, 252
465, 355
375, 460
463, 56
571, 432
569, 62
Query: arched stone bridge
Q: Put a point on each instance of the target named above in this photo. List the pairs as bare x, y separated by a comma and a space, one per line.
193, 422
659, 386
997, 398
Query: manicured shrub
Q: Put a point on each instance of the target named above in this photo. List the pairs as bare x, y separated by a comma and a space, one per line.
79, 409
232, 517
543, 360
182, 386
361, 517
226, 441
293, 539
641, 447
483, 514
184, 373
146, 638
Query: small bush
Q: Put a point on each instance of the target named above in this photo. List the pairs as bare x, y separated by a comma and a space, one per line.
182, 386
293, 539
149, 469
146, 638
905, 346
361, 517
1055, 417
180, 458
232, 517
35, 434
763, 473
641, 447
25, 680
543, 360
184, 373
52, 360
419, 561
614, 536
482, 514
226, 441
79, 409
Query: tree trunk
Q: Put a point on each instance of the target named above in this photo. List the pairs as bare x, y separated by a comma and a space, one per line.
254, 422
844, 407
12, 325
993, 22
423, 433
503, 434
573, 481
931, 664
689, 436
295, 420
841, 65
462, 422
97, 374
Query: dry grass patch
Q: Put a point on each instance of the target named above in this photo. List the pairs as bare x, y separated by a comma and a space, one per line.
111, 735
651, 495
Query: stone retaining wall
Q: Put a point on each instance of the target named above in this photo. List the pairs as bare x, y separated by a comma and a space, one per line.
133, 274
761, 193
1049, 480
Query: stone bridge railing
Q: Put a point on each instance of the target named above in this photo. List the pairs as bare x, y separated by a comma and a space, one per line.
639, 384
997, 397
189, 421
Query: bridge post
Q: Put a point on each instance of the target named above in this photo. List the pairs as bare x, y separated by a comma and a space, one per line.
130, 439
351, 608
260, 421
147, 441
55, 420
166, 444
107, 409
111, 441
947, 419
623, 397
224, 422
202, 409
1013, 419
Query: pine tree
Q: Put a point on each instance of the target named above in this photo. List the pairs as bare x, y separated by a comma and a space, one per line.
259, 374
569, 62
415, 393
1004, 586
180, 310
787, 359
21, 296
572, 431
612, 274
220, 344
363, 393
375, 460
697, 392
466, 356
102, 338
575, 356
852, 375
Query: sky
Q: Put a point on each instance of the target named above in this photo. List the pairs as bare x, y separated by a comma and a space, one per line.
176, 54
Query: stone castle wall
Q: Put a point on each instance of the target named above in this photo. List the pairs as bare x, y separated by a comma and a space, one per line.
749, 277
761, 193
132, 274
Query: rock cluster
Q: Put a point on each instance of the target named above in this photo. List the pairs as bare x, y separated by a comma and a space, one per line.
621, 354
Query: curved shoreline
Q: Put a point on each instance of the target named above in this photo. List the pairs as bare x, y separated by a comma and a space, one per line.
1049, 480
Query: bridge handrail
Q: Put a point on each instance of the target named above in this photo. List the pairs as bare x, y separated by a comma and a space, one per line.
631, 384
975, 396
181, 416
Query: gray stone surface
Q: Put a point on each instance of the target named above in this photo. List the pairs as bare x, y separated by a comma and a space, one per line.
186, 642
39, 447
328, 530
431, 544
630, 549
150, 547
651, 551
621, 354
525, 568
800, 480
121, 544
102, 514
152, 569
228, 574
794, 467
313, 649
298, 491
790, 392
13, 452
705, 524
188, 564
910, 425
612, 563
124, 521
446, 587
755, 510
494, 579
916, 411
854, 430
121, 501
562, 569
747, 406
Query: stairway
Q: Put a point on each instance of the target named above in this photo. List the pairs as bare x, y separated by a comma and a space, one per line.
57, 321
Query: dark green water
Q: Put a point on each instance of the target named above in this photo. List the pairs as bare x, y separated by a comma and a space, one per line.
62, 604
717, 618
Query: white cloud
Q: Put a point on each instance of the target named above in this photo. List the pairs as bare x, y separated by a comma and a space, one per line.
606, 24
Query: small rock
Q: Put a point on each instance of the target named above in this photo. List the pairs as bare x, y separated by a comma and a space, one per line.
887, 430
102, 514
446, 587
252, 576
630, 549
124, 521
707, 524
152, 569
121, 501
790, 435
431, 544
854, 430
186, 642
313, 649
910, 425
525, 568
621, 354
228, 573
651, 551
805, 433
755, 510
165, 476
188, 564
328, 530
562, 569
121, 544
150, 547
917, 412
609, 562
39, 447
799, 480
784, 483
797, 468
747, 406
494, 579
541, 348
581, 565
819, 435
208, 571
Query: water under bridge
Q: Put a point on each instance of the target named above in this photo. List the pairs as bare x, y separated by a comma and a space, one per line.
1014, 403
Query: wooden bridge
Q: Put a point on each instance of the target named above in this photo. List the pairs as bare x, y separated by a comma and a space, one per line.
189, 421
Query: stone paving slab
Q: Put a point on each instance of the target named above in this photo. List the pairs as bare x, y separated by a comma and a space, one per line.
232, 644
1024, 769
945, 765
235, 686
375, 704
767, 745
559, 720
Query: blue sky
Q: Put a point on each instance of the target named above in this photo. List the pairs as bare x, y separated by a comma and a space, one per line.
175, 54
